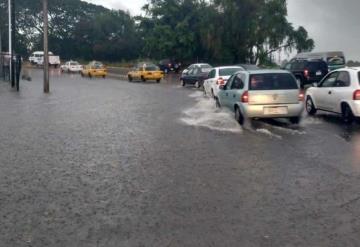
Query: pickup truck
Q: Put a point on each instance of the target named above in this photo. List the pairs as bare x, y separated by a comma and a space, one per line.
37, 58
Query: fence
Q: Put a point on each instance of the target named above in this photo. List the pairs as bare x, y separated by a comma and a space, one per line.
5, 69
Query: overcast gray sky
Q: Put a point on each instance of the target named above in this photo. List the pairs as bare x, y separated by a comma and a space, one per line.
333, 24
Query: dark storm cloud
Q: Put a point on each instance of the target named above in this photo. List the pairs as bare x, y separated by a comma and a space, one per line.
333, 24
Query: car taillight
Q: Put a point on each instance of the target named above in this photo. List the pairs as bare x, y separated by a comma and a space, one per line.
356, 95
220, 81
301, 96
306, 73
245, 97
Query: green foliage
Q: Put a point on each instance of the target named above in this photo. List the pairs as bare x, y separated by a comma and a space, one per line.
216, 31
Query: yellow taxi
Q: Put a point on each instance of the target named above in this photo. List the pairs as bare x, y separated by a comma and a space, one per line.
94, 69
146, 71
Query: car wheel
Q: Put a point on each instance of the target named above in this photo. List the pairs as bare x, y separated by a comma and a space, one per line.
238, 116
310, 108
197, 84
183, 83
81, 73
295, 120
217, 103
158, 80
299, 82
130, 78
347, 114
104, 76
143, 79
90, 76
212, 93
166, 71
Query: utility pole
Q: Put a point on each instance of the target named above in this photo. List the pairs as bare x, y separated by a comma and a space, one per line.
46, 48
10, 40
13, 29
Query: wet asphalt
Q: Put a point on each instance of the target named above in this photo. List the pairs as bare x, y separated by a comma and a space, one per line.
105, 162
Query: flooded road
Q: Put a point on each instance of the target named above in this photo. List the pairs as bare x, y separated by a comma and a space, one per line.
111, 163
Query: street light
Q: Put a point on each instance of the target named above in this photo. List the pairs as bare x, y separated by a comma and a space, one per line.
46, 48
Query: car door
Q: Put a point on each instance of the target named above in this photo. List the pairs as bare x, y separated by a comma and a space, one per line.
187, 76
236, 89
226, 93
208, 83
341, 91
324, 92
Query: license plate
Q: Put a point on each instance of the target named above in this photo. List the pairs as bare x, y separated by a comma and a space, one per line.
275, 110
318, 73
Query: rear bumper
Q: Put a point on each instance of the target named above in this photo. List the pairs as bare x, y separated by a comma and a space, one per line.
257, 111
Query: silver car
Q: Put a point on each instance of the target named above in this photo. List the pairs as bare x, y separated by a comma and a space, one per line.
262, 94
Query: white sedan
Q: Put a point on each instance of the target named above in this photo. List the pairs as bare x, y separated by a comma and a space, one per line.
218, 77
71, 67
338, 92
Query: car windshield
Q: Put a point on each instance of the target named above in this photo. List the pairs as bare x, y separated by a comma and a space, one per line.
272, 81
336, 61
74, 63
228, 71
250, 66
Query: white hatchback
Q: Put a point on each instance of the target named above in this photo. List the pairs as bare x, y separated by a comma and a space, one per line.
338, 92
218, 77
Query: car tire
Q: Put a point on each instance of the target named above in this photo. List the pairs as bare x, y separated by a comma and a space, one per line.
310, 107
212, 93
295, 120
130, 78
143, 79
81, 73
104, 76
197, 84
166, 71
90, 76
183, 83
238, 116
158, 81
217, 103
347, 114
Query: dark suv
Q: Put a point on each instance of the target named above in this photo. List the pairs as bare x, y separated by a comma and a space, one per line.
307, 71
168, 65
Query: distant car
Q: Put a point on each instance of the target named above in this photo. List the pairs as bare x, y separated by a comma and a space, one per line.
217, 77
334, 59
146, 71
307, 71
338, 92
37, 58
168, 65
262, 94
71, 67
201, 65
195, 75
94, 69
248, 67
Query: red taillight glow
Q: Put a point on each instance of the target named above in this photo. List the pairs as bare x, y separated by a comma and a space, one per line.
245, 97
220, 81
356, 95
301, 96
306, 73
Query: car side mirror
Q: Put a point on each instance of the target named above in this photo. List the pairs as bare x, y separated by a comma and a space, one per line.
315, 84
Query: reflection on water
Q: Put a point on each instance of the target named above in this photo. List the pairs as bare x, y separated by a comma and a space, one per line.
356, 152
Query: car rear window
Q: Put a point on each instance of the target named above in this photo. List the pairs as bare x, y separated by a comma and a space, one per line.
205, 70
205, 66
336, 61
74, 63
151, 68
313, 66
272, 81
228, 71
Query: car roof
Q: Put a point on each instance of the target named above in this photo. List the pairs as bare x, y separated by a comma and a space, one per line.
228, 67
265, 71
